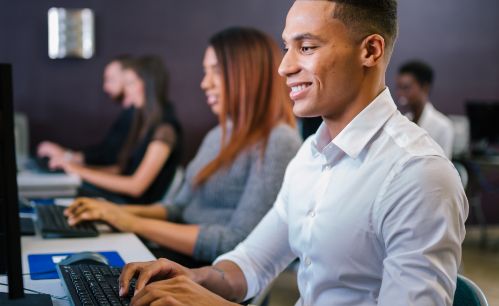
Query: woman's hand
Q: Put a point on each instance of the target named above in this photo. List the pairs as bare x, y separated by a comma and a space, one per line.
60, 162
57, 155
87, 209
50, 150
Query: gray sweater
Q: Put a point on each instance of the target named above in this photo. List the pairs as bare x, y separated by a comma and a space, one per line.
234, 199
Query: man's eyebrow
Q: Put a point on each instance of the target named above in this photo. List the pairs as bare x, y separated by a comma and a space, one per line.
304, 36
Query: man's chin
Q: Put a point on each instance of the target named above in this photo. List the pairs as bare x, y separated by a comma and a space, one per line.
300, 110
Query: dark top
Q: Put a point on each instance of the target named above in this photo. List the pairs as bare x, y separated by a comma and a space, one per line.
169, 131
106, 152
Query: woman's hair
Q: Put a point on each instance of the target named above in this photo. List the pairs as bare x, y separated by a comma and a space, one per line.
151, 71
255, 98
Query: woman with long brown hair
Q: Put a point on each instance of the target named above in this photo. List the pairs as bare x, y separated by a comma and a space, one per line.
238, 170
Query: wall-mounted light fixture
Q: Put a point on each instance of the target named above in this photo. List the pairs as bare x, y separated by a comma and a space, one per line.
71, 33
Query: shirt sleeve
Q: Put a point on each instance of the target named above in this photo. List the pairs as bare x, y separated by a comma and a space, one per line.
422, 227
264, 181
165, 133
264, 254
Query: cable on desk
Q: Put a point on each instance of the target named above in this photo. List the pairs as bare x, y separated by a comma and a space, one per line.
64, 298
34, 273
42, 272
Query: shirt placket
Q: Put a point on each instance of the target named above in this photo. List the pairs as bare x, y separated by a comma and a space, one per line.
319, 195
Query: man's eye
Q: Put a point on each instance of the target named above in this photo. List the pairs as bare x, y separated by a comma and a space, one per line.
306, 49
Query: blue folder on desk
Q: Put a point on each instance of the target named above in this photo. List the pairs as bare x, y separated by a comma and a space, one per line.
42, 266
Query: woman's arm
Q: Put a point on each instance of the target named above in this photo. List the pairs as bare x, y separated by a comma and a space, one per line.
156, 155
96, 209
156, 211
178, 237
130, 218
113, 169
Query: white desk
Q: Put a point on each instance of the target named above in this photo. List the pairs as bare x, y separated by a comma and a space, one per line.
127, 245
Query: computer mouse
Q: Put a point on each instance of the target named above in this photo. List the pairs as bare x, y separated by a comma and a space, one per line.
84, 258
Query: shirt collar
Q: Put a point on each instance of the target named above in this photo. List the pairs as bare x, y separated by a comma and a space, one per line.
427, 113
357, 134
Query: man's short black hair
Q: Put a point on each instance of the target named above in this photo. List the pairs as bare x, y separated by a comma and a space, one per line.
366, 17
421, 71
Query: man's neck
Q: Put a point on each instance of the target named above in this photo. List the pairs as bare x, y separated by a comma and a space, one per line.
367, 94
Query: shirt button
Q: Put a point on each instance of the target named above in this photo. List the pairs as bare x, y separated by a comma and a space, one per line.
311, 214
307, 261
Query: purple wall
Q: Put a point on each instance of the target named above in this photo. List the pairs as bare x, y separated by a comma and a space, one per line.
63, 98
459, 39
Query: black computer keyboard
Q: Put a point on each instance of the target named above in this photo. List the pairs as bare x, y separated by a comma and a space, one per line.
93, 284
41, 164
53, 224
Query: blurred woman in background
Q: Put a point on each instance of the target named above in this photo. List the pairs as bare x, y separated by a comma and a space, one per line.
147, 162
105, 152
237, 172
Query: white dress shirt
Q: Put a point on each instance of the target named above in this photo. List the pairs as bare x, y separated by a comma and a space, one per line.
375, 215
438, 126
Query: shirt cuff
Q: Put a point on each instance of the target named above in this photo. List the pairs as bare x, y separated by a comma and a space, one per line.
240, 257
173, 213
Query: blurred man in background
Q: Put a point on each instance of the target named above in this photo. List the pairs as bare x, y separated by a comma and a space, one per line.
414, 82
106, 152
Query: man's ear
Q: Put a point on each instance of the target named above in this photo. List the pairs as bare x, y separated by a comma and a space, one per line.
373, 50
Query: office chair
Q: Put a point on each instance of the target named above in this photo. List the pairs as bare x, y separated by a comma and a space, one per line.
468, 293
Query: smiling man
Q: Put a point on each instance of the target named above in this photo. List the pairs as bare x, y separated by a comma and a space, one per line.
414, 81
370, 205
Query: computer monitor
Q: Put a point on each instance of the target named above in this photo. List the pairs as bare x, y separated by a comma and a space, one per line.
484, 125
10, 240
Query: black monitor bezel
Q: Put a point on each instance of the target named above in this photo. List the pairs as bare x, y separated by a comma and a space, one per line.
9, 209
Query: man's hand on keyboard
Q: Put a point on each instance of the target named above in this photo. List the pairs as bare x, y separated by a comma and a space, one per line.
179, 290
151, 271
88, 209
